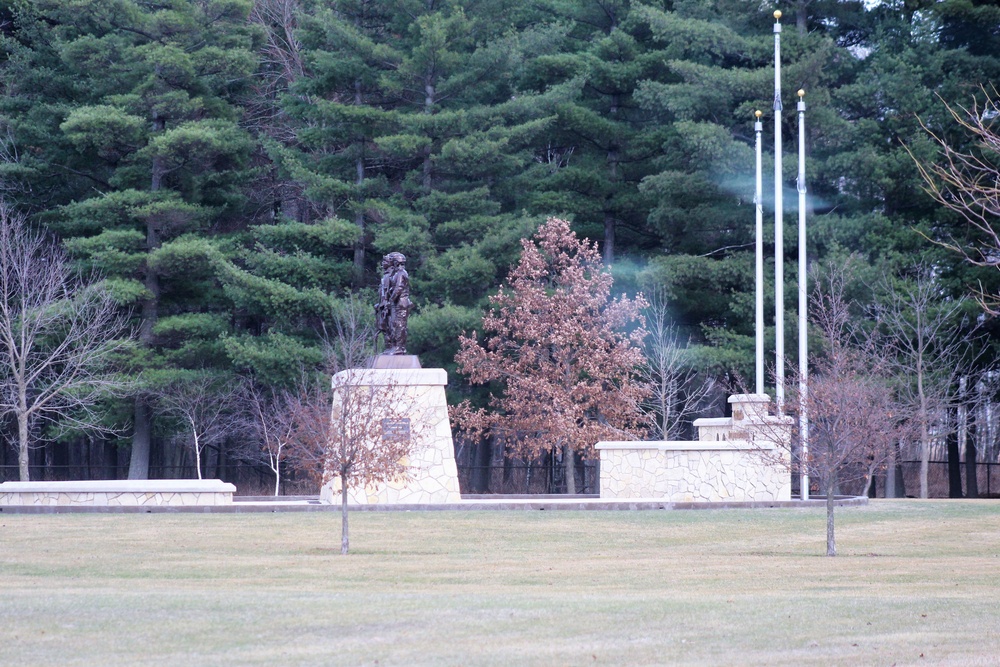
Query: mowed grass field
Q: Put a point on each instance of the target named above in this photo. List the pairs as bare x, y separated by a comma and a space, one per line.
917, 583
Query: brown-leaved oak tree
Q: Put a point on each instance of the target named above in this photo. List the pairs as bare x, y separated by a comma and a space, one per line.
341, 435
563, 351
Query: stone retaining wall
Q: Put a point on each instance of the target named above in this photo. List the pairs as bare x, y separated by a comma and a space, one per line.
118, 493
692, 472
738, 459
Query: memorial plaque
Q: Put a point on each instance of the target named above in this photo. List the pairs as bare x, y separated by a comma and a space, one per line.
396, 430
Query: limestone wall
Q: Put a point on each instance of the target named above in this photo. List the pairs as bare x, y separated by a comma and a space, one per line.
692, 471
743, 458
118, 493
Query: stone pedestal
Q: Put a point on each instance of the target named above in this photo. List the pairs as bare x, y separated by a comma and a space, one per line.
433, 474
396, 361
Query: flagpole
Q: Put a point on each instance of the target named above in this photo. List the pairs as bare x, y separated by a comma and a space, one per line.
779, 241
758, 199
800, 185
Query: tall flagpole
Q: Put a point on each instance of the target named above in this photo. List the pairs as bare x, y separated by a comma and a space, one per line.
758, 199
779, 241
800, 185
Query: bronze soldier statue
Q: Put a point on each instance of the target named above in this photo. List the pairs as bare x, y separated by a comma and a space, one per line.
393, 307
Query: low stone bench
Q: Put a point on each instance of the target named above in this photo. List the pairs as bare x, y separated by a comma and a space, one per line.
123, 492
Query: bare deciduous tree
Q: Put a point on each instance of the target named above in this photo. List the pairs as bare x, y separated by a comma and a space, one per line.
352, 342
341, 435
854, 418
59, 336
206, 405
270, 423
968, 182
281, 54
560, 346
676, 388
927, 347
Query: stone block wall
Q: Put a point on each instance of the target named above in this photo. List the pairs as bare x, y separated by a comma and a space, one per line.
118, 493
691, 472
743, 458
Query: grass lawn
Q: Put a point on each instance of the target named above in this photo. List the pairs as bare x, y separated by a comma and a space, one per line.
917, 583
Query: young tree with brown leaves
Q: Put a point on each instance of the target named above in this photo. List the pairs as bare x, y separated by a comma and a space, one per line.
562, 351
854, 418
352, 442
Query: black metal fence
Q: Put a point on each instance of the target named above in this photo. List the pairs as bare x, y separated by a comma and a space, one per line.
987, 481
521, 477
543, 476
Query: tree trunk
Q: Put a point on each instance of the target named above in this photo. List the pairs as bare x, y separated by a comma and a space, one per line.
277, 474
508, 469
482, 458
359, 215
48, 463
890, 475
954, 467
971, 481
569, 466
925, 441
610, 222
900, 480
802, 17
142, 418
831, 542
344, 539
138, 467
429, 100
870, 482
22, 447
197, 454
221, 459
359, 250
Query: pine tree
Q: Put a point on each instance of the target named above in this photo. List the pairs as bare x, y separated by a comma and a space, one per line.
140, 156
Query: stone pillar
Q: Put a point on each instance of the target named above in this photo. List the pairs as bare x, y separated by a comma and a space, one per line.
748, 407
433, 474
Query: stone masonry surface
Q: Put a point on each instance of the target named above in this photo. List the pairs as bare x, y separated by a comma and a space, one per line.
734, 459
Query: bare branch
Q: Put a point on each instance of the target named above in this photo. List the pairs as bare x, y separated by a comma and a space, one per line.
676, 389
59, 336
968, 182
206, 404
